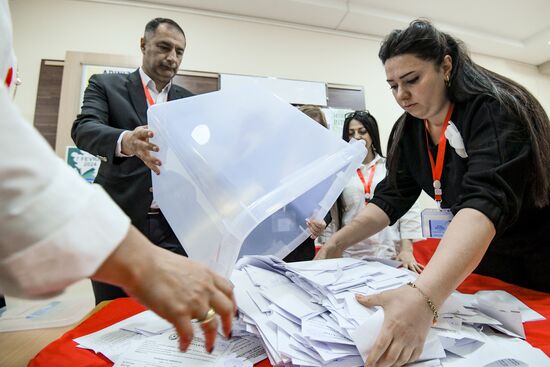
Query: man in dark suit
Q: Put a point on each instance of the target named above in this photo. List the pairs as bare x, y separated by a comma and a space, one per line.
113, 126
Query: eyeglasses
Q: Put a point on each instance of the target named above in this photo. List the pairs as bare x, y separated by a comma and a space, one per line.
360, 114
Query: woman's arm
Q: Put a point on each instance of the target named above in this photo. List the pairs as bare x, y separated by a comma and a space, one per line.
410, 229
407, 315
370, 220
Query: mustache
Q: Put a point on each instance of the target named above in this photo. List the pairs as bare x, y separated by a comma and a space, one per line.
169, 65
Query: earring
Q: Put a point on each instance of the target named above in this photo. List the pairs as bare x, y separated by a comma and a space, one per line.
448, 81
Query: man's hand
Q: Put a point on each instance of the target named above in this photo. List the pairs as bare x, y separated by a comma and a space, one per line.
136, 142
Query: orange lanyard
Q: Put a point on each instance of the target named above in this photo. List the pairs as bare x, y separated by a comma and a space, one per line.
437, 167
367, 185
150, 100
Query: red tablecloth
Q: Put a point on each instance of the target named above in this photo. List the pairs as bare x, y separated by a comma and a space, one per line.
537, 332
63, 351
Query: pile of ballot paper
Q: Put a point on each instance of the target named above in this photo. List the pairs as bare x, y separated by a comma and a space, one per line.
146, 340
306, 315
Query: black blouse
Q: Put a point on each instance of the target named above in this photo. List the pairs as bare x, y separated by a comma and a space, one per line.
493, 178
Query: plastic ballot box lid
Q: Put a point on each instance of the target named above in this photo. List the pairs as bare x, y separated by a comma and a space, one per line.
241, 172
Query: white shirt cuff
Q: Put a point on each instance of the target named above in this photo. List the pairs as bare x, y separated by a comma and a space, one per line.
118, 150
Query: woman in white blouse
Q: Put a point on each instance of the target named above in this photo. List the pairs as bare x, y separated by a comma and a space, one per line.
394, 242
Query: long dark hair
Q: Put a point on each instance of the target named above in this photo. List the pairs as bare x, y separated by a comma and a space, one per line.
371, 125
468, 80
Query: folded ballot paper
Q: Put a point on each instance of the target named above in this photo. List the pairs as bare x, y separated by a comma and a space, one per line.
242, 171
146, 340
306, 315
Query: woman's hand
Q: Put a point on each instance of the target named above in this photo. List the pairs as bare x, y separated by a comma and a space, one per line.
329, 251
315, 227
409, 262
406, 256
176, 288
407, 320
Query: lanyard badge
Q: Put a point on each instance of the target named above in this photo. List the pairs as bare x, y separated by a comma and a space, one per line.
436, 221
150, 100
367, 185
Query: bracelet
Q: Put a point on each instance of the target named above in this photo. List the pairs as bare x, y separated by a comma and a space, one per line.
431, 305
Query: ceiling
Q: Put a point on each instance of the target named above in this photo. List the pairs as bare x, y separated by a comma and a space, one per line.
512, 29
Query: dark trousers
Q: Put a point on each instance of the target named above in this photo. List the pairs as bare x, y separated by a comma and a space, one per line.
159, 233
304, 252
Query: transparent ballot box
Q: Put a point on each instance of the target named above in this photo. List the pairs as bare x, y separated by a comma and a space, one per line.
241, 172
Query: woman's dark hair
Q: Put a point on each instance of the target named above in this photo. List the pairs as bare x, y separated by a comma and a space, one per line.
369, 122
466, 81
371, 125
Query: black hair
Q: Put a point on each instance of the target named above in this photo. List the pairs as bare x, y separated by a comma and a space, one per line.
369, 122
468, 80
153, 24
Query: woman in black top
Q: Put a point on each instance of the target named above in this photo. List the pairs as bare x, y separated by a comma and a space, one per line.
494, 179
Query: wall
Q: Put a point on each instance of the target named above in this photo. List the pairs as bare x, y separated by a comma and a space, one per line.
47, 29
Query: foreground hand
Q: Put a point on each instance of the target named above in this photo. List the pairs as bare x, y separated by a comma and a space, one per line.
407, 320
136, 142
409, 262
315, 227
174, 287
180, 290
328, 251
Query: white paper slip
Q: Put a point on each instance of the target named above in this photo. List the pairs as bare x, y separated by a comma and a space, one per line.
293, 300
461, 347
527, 314
365, 336
508, 314
163, 351
116, 339
316, 329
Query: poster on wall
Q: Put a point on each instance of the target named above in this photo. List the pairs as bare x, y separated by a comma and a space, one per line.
89, 70
85, 164
335, 119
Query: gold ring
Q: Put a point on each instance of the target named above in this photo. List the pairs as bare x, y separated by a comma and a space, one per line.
209, 316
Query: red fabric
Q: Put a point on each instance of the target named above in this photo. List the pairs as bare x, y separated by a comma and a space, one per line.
63, 352
9, 77
537, 332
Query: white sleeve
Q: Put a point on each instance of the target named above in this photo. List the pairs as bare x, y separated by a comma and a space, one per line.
118, 150
56, 228
409, 224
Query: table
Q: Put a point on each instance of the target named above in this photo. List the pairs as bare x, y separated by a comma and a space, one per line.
18, 347
63, 352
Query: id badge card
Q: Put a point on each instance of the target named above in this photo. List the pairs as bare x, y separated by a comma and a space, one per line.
435, 222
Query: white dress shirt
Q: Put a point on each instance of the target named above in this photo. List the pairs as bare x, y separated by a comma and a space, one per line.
158, 97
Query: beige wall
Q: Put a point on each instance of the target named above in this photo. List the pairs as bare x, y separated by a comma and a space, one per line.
47, 29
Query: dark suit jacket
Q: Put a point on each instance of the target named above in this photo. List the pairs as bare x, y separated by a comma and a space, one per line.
114, 103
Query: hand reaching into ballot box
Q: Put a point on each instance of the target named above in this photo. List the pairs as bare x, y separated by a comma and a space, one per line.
407, 321
176, 288
136, 142
315, 227
329, 251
